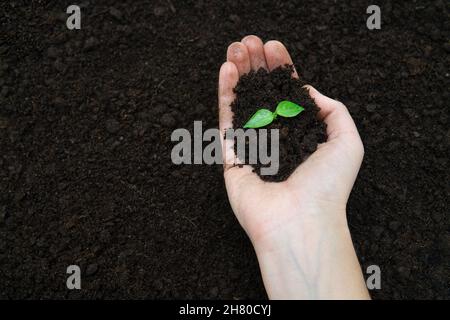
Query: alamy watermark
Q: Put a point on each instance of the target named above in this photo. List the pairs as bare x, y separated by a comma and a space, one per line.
249, 144
74, 20
373, 281
374, 20
74, 280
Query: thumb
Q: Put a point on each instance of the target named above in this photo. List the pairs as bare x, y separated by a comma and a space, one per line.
337, 161
340, 125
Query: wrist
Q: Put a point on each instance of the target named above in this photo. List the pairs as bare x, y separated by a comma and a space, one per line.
310, 259
311, 224
301, 232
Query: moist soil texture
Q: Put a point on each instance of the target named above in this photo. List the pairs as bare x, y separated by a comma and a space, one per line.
298, 136
86, 116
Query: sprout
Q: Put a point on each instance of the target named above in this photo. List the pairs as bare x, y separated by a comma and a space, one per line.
263, 117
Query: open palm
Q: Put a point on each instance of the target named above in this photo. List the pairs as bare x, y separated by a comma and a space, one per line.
324, 180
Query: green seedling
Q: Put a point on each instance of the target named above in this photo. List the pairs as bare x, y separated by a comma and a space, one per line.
263, 117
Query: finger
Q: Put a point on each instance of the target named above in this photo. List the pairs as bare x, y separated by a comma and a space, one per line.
228, 78
237, 53
234, 175
334, 114
255, 48
277, 55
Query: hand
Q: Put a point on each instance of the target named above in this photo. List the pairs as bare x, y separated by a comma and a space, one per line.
298, 227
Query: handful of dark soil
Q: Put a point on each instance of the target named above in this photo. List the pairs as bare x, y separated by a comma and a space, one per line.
299, 136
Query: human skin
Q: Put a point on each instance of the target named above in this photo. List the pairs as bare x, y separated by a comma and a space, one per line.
298, 227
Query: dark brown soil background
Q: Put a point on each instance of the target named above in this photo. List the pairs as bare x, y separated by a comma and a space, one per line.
298, 136
85, 123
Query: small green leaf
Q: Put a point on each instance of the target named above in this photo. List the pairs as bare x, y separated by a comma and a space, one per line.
288, 109
261, 118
